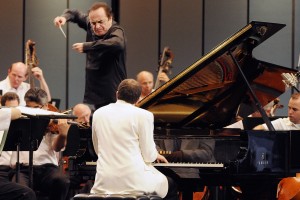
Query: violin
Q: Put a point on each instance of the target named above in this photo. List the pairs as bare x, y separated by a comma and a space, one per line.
165, 66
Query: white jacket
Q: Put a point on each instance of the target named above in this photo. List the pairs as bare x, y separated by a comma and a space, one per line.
123, 140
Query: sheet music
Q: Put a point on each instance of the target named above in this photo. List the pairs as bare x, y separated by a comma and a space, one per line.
37, 111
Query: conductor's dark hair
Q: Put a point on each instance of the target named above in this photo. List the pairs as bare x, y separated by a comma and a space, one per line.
103, 5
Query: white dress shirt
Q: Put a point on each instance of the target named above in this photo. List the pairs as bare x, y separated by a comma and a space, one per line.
5, 116
43, 155
283, 124
21, 90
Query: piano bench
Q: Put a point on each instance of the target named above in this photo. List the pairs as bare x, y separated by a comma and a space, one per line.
116, 197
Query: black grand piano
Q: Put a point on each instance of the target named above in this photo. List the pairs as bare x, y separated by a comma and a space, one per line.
191, 110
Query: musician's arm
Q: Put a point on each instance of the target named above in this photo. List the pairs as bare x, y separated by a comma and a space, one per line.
60, 141
203, 153
45, 87
6, 115
38, 74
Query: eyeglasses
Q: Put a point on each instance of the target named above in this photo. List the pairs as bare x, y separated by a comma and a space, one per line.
101, 22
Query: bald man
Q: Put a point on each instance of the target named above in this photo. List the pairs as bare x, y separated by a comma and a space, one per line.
145, 79
14, 82
82, 112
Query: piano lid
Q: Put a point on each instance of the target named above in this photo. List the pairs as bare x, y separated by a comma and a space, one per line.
207, 94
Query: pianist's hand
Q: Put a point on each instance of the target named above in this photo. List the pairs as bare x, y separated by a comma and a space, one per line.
161, 159
176, 156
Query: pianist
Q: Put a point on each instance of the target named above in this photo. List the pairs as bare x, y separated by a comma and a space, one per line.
123, 140
292, 122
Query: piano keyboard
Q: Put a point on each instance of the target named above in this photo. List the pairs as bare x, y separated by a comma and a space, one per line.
199, 165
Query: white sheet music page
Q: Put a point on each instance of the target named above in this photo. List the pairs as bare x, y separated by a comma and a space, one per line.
37, 111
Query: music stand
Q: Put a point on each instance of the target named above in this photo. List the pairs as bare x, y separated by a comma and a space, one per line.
25, 134
36, 128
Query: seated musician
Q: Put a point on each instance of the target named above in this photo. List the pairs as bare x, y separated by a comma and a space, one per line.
10, 190
83, 113
270, 110
287, 186
9, 99
145, 79
47, 177
123, 140
292, 122
15, 80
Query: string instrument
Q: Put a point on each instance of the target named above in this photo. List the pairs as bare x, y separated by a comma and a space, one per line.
164, 65
31, 60
275, 106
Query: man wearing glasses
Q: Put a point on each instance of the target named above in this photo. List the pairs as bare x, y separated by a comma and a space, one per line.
47, 177
105, 49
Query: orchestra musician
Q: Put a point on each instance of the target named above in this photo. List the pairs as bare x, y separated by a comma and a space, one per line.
47, 177
105, 48
9, 99
82, 122
8, 189
83, 113
145, 79
292, 122
14, 82
123, 140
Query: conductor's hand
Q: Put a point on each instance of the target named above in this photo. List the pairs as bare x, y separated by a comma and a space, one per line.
59, 21
78, 47
176, 156
161, 159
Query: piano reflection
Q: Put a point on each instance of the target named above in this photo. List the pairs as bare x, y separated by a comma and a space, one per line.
191, 109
